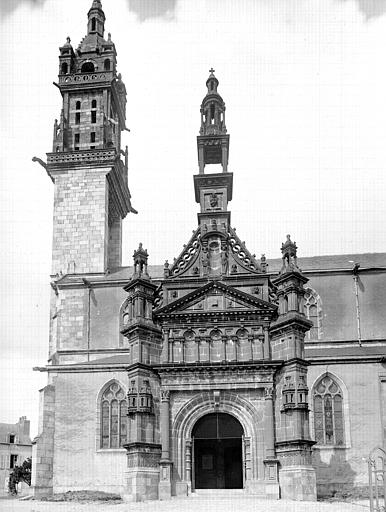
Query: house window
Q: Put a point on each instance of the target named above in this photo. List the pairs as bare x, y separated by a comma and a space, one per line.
64, 68
113, 417
328, 412
92, 137
313, 311
107, 65
77, 118
77, 105
12, 461
93, 104
76, 138
93, 116
12, 438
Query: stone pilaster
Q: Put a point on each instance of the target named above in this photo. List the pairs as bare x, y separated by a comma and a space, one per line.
270, 461
165, 483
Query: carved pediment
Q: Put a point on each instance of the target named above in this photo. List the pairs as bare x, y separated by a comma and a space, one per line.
216, 296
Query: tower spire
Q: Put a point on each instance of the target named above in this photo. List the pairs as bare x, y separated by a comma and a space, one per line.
96, 19
213, 141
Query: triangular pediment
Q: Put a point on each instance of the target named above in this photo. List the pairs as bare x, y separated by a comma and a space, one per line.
213, 297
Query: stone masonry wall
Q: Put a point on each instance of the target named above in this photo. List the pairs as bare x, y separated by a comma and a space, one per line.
43, 444
80, 221
72, 319
342, 468
79, 463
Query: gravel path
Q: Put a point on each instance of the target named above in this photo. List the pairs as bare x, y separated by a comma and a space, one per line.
191, 504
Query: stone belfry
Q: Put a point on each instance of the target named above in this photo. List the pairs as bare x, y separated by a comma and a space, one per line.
91, 191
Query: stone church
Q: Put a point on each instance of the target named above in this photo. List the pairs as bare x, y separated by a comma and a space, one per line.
216, 371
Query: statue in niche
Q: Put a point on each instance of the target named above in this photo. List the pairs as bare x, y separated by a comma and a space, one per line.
213, 200
224, 262
205, 260
234, 269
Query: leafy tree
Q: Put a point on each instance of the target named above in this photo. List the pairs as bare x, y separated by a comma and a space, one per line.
20, 474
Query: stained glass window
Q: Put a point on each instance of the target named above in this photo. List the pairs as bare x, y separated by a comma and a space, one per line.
113, 417
328, 412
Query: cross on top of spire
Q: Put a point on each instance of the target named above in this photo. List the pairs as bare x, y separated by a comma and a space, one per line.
211, 71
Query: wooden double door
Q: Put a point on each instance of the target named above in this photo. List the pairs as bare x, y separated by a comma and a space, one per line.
218, 452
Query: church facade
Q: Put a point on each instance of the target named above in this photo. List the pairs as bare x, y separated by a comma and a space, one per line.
217, 371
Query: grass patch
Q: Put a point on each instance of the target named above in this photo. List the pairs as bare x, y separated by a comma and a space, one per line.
83, 496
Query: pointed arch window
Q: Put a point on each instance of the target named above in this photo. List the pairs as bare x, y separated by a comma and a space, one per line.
328, 412
313, 311
113, 417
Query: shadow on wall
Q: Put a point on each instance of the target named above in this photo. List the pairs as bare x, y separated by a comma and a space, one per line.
334, 475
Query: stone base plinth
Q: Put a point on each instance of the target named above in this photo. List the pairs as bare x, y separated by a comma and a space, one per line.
40, 492
142, 475
165, 480
182, 489
263, 489
298, 483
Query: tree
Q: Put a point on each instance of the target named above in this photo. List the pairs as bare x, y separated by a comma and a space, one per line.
20, 474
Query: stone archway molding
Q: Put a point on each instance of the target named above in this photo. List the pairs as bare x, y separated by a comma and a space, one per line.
250, 418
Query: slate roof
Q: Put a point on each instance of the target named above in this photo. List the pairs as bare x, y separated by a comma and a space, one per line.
312, 263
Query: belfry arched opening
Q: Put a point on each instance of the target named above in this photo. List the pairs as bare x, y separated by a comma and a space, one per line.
217, 452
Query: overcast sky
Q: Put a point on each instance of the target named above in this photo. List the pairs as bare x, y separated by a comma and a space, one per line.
304, 82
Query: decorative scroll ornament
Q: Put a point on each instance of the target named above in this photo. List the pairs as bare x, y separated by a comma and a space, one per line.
158, 297
187, 256
243, 256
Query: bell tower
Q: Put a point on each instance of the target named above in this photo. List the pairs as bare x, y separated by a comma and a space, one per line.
213, 190
90, 178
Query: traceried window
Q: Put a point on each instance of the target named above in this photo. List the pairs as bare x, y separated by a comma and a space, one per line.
313, 311
113, 417
328, 412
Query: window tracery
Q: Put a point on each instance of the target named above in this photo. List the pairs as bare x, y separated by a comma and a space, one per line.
328, 412
313, 311
113, 406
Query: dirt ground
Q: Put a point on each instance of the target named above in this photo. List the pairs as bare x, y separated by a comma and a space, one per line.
190, 504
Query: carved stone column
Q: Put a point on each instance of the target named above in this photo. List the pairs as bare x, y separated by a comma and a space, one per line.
165, 483
188, 463
270, 462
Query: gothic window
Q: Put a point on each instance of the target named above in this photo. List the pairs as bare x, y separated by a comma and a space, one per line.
313, 311
93, 24
113, 417
328, 412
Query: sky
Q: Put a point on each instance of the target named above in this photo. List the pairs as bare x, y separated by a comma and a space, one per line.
304, 83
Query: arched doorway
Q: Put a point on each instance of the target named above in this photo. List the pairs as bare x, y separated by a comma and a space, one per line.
217, 452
